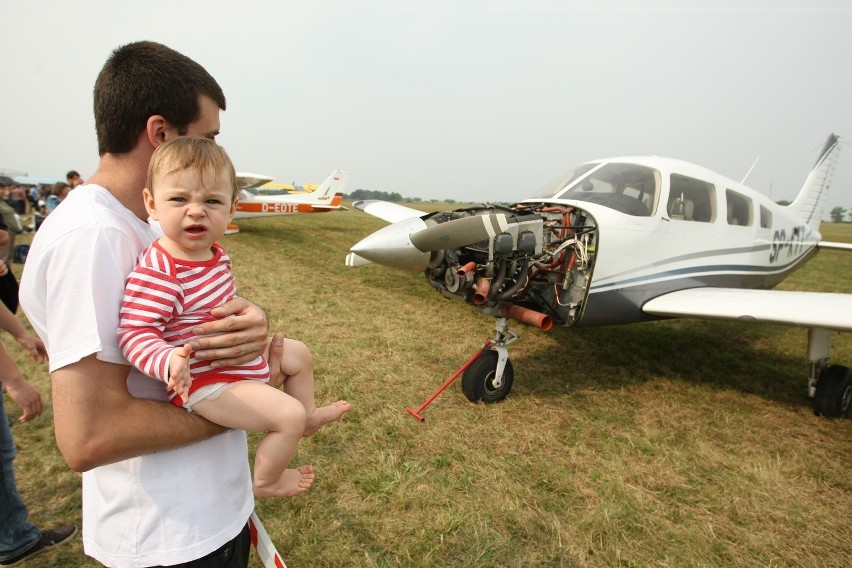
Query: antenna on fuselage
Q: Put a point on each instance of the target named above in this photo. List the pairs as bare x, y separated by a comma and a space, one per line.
748, 173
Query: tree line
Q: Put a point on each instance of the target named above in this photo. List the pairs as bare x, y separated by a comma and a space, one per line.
839, 214
385, 196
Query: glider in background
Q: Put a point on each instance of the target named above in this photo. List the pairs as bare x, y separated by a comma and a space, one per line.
256, 203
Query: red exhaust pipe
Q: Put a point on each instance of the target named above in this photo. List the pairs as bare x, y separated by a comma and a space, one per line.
466, 268
527, 316
480, 295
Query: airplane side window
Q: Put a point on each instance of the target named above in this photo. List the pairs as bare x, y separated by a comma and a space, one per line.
644, 188
739, 208
690, 199
765, 217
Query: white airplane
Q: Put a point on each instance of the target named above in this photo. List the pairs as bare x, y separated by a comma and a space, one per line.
253, 203
626, 240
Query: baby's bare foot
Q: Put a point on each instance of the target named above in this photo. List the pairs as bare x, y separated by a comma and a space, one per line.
324, 414
291, 483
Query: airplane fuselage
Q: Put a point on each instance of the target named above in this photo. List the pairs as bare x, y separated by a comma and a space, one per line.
251, 206
253, 202
641, 256
595, 245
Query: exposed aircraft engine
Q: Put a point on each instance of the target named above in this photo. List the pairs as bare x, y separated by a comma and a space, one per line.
531, 262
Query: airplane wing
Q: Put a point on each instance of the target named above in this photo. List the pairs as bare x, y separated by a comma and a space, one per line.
387, 211
834, 246
247, 180
806, 309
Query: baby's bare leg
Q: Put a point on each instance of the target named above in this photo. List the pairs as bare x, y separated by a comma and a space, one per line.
297, 366
256, 407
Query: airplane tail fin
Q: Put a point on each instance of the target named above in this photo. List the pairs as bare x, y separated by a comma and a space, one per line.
808, 205
327, 192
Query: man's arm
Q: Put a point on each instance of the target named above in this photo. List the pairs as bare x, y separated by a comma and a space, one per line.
98, 422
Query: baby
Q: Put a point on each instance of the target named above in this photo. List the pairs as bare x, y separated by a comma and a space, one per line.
191, 191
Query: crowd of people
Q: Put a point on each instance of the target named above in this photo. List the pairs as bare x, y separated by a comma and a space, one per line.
139, 438
32, 203
20, 539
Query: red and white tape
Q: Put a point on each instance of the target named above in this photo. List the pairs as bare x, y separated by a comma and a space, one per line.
263, 544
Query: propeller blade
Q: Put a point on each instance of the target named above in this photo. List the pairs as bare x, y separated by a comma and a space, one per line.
460, 232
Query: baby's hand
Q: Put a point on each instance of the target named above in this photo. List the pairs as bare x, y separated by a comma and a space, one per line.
179, 377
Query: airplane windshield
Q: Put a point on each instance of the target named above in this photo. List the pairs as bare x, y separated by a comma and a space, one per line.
556, 186
628, 188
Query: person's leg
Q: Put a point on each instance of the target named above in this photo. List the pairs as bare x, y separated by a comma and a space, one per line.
17, 534
256, 407
297, 366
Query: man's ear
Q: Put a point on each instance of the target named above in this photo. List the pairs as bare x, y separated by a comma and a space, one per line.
148, 197
156, 129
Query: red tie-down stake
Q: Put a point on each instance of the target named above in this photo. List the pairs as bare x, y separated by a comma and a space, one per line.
503, 337
416, 413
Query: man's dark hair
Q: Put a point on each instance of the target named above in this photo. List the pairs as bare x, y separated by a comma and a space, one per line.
72, 174
143, 79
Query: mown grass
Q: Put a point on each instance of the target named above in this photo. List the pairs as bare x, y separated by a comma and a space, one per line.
679, 443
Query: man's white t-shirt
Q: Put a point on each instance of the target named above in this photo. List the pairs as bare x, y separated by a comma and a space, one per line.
163, 508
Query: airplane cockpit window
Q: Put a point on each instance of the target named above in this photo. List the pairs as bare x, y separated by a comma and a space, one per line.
628, 188
739, 208
555, 187
691, 199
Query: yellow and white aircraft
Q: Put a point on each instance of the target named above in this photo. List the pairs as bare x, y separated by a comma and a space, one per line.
625, 240
273, 188
254, 203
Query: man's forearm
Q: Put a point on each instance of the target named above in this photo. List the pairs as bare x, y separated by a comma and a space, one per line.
9, 322
98, 422
146, 427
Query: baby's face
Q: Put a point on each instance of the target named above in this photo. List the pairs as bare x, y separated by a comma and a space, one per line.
193, 210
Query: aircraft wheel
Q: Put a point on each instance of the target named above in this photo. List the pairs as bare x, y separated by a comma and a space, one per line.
478, 379
833, 392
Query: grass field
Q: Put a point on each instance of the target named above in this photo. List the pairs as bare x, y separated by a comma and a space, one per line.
678, 443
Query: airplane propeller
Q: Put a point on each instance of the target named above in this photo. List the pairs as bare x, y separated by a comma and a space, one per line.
460, 232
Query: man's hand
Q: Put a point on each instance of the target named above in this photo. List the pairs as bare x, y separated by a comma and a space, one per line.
34, 345
238, 335
23, 393
27, 397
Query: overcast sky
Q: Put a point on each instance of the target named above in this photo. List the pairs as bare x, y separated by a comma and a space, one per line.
472, 100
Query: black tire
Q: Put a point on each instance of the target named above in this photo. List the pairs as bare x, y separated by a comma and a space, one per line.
478, 379
833, 395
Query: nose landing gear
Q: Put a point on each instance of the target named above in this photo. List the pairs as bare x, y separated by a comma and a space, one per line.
489, 378
488, 375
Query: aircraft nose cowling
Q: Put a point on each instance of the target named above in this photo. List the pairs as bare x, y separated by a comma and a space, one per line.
408, 244
391, 246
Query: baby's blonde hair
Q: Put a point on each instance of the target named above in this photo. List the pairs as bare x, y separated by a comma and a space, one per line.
195, 153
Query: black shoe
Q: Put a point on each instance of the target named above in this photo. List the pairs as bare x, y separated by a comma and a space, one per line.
49, 538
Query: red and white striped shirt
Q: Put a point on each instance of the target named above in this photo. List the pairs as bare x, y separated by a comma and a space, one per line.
164, 299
